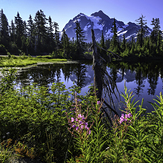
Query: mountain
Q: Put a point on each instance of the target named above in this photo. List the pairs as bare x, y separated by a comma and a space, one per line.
101, 22
128, 75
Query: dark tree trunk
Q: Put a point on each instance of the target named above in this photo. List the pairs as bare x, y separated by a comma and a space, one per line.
96, 68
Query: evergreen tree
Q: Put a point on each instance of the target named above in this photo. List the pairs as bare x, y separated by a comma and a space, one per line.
156, 36
102, 42
142, 31
123, 45
4, 29
19, 26
79, 40
146, 46
102, 45
12, 32
13, 47
156, 29
107, 43
65, 44
56, 34
50, 40
31, 35
40, 31
114, 41
159, 41
132, 51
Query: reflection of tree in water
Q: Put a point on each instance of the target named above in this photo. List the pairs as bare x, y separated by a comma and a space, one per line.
139, 81
80, 72
42, 75
58, 74
152, 79
109, 89
113, 74
67, 71
122, 72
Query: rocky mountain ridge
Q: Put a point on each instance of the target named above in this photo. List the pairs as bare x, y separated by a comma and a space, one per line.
99, 21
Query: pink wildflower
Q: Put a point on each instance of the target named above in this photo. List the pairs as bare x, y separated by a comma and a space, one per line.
82, 126
98, 102
77, 128
129, 115
72, 119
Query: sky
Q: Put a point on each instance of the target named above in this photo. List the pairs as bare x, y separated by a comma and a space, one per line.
61, 11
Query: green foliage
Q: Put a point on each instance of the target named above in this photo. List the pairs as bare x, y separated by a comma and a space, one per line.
146, 47
138, 140
57, 54
31, 112
92, 146
23, 60
40, 121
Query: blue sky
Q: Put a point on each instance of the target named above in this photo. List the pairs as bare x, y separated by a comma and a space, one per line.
61, 11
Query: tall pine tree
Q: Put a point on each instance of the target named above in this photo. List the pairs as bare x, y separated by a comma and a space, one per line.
4, 29
102, 45
80, 38
56, 34
40, 31
12, 32
50, 40
31, 35
114, 41
142, 31
156, 35
123, 45
65, 44
19, 27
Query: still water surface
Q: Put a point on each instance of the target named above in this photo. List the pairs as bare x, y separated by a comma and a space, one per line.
144, 79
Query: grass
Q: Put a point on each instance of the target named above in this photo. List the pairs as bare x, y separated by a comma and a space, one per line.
21, 61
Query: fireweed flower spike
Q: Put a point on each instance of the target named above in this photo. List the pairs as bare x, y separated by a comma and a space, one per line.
125, 117
79, 125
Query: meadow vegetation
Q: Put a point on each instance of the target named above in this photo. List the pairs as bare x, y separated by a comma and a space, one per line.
23, 60
61, 126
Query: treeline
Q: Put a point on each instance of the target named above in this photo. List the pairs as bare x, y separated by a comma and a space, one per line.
40, 35
144, 45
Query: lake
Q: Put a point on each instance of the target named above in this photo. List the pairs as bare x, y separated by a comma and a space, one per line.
144, 79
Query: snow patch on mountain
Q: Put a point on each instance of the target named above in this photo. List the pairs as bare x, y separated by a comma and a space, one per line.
119, 33
95, 21
86, 27
100, 22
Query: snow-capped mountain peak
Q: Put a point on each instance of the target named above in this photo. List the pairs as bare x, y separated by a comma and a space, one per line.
101, 22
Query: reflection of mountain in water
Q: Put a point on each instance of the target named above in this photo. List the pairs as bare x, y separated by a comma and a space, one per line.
88, 75
129, 76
